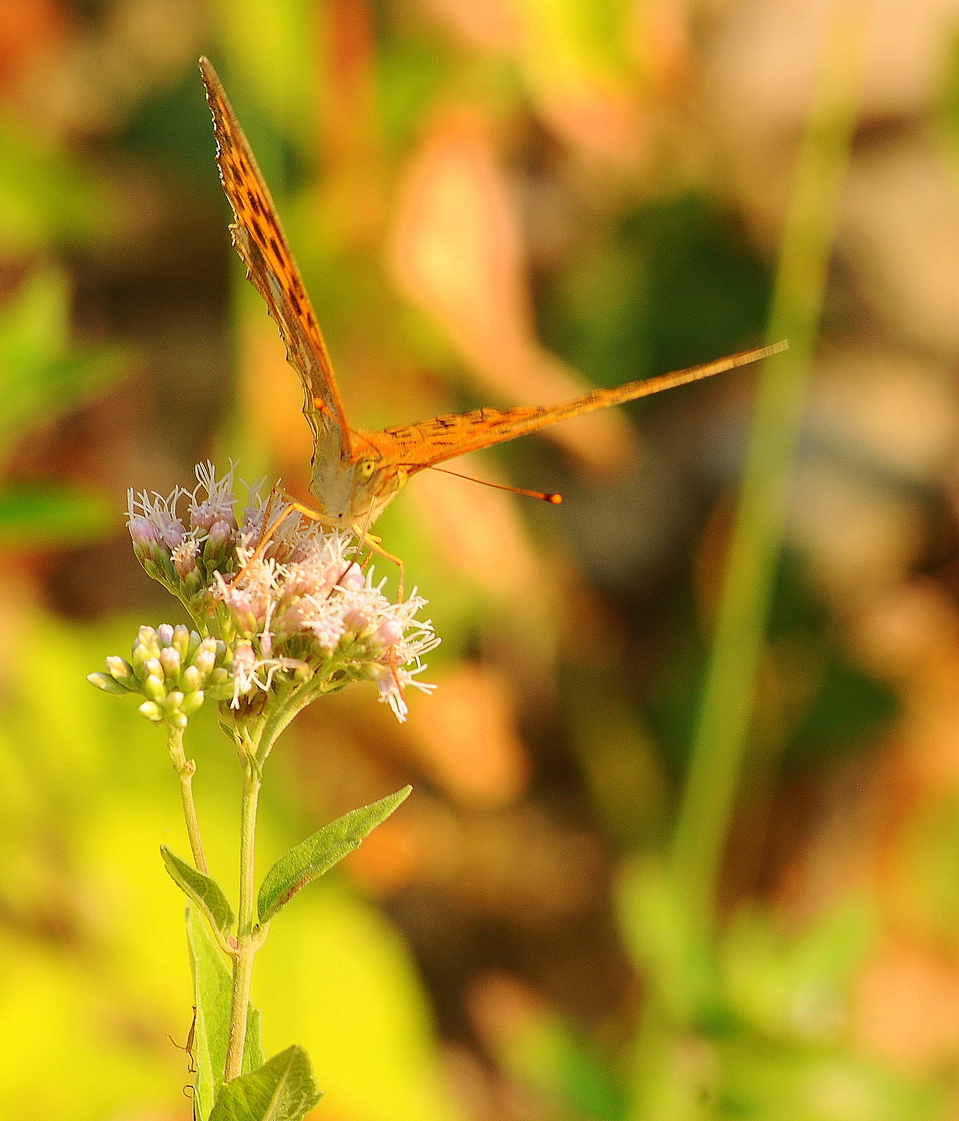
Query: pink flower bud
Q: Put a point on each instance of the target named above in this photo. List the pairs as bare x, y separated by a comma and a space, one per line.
172, 534
356, 620
143, 533
221, 533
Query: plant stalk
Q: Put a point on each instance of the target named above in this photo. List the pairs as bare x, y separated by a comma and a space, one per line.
186, 769
246, 942
659, 1091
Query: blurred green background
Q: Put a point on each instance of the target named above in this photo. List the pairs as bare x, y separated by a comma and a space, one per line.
607, 899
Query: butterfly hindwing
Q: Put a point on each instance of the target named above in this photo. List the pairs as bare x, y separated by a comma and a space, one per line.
260, 242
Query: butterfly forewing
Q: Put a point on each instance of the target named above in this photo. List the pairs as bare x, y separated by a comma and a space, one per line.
258, 237
416, 446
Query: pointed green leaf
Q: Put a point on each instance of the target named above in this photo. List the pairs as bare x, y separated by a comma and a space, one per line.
212, 986
203, 890
317, 854
282, 1090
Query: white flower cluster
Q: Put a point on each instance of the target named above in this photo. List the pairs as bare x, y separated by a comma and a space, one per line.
288, 607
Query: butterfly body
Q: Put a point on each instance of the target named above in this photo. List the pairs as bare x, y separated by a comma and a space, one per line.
357, 474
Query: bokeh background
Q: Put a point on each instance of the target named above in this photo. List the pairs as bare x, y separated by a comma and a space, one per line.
500, 202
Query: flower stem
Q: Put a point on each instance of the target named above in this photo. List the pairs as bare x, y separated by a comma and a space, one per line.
185, 769
246, 941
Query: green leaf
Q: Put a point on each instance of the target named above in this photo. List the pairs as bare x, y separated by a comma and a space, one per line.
282, 1090
41, 376
211, 994
318, 854
47, 515
212, 987
205, 892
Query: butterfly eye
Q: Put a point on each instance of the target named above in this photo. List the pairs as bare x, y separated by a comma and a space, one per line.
365, 468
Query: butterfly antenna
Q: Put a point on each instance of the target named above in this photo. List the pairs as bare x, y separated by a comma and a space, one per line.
543, 496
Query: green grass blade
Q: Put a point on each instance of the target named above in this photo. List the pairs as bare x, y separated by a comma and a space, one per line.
738, 640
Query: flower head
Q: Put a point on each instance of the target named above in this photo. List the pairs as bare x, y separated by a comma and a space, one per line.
290, 617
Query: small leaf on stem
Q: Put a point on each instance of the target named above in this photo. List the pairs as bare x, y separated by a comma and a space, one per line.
203, 890
282, 1090
317, 854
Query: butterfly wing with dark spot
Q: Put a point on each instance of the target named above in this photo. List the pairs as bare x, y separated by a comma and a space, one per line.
259, 240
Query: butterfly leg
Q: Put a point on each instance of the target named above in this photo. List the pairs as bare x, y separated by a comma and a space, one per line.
266, 536
373, 543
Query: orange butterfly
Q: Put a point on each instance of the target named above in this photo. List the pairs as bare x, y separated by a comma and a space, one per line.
356, 474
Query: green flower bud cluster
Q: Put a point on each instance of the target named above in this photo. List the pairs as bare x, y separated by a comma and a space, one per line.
174, 669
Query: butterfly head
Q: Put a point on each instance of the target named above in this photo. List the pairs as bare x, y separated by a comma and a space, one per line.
355, 491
